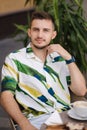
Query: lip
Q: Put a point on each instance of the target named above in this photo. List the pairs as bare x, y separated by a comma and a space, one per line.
39, 40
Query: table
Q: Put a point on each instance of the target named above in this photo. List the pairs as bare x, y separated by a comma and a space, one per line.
66, 119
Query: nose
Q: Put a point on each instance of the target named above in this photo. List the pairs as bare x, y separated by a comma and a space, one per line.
40, 33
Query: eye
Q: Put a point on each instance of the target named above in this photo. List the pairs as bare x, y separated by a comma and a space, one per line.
46, 30
35, 29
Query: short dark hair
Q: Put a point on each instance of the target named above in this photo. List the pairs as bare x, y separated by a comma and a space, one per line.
42, 15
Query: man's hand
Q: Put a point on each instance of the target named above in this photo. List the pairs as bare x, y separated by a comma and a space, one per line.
60, 50
28, 127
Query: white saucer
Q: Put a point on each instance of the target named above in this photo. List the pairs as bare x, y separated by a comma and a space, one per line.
72, 114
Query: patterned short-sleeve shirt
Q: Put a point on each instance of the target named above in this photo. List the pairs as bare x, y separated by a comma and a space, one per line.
38, 87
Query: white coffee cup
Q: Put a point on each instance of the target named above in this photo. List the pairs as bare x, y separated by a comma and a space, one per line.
80, 108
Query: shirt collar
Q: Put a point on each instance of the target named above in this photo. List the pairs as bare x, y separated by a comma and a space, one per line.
29, 52
50, 58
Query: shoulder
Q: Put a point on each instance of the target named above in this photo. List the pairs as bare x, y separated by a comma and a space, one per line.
17, 53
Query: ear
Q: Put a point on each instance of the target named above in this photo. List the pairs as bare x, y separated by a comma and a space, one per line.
29, 32
54, 34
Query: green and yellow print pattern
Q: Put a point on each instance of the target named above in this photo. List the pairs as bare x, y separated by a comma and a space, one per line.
37, 88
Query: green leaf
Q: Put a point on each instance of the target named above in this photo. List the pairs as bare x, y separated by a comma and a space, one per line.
22, 27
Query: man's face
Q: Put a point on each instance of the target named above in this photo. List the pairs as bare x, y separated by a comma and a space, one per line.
41, 33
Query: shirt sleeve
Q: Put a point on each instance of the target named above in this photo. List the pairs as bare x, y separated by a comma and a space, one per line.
9, 75
67, 73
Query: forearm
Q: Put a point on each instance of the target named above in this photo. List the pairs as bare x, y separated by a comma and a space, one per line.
78, 84
10, 105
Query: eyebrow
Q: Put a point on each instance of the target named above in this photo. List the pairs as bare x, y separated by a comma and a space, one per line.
43, 28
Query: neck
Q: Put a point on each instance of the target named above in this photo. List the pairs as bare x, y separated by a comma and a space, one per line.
40, 53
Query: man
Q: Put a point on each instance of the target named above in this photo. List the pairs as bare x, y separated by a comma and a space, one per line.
37, 77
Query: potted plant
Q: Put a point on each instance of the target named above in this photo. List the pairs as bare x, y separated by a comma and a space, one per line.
71, 26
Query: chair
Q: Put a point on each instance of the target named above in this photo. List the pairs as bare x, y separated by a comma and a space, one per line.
13, 124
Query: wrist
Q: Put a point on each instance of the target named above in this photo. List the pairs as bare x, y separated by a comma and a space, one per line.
23, 122
71, 60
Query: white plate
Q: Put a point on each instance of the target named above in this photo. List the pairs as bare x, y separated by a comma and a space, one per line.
72, 114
